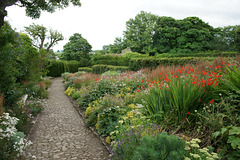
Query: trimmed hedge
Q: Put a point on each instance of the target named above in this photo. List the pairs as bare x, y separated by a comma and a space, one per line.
57, 67
139, 63
203, 54
101, 68
85, 69
110, 59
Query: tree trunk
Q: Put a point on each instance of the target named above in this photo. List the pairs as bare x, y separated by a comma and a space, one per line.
3, 12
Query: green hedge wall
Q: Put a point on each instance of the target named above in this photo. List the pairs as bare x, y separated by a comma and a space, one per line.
203, 54
85, 69
115, 60
139, 63
57, 67
99, 69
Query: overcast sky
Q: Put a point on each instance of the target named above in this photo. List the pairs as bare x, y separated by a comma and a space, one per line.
101, 21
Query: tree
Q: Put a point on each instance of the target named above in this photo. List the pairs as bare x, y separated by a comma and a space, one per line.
140, 31
195, 35
118, 45
77, 48
39, 34
226, 38
165, 34
34, 7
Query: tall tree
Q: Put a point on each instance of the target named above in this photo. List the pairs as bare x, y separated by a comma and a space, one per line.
77, 48
118, 45
140, 31
38, 34
34, 7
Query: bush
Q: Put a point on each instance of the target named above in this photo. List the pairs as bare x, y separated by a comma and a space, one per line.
99, 69
110, 59
158, 147
85, 69
152, 63
56, 68
161, 147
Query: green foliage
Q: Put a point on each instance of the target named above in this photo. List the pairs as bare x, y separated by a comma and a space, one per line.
39, 34
77, 49
34, 8
110, 59
228, 139
98, 69
85, 69
118, 45
56, 68
139, 63
19, 61
200, 153
230, 84
226, 38
139, 32
76, 95
160, 147
151, 147
151, 34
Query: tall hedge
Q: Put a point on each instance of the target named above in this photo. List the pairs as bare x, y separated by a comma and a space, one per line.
113, 59
57, 67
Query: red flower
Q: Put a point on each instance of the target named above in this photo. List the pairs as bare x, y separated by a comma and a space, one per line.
211, 101
188, 113
142, 81
138, 90
199, 100
210, 65
223, 62
181, 111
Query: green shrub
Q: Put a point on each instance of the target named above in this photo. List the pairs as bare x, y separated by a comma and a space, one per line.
99, 69
152, 63
85, 69
76, 95
152, 147
56, 68
161, 147
228, 140
110, 59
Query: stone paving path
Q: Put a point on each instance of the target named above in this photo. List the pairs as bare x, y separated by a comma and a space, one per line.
60, 133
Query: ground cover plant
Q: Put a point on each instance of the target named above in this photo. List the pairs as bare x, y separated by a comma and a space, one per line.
131, 109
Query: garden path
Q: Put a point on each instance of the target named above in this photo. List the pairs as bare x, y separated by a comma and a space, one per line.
60, 133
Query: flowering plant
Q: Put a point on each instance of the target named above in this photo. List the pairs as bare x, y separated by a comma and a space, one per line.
12, 142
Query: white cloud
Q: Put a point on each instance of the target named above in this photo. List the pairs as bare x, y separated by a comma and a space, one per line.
101, 21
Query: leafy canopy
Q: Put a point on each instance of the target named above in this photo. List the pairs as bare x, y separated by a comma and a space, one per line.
34, 7
77, 48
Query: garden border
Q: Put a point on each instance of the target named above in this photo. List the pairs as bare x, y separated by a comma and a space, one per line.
76, 106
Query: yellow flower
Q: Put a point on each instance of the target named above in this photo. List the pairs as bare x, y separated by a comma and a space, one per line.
88, 111
108, 140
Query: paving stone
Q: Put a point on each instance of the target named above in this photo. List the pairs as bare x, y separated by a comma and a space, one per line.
60, 133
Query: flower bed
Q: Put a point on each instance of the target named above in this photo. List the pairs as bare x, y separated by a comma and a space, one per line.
133, 109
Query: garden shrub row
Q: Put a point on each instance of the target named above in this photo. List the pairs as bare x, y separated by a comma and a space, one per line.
202, 54
98, 69
85, 69
56, 68
139, 63
114, 59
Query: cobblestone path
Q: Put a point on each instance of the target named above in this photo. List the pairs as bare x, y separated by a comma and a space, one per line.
60, 133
